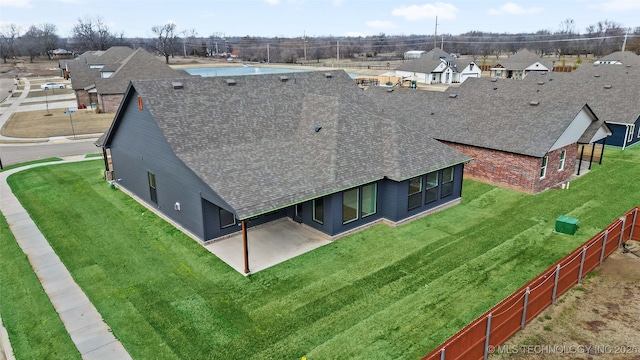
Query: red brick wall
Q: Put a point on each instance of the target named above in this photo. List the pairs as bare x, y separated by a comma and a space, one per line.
82, 96
517, 172
109, 102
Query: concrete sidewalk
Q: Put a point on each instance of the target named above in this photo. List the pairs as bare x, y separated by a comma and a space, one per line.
85, 325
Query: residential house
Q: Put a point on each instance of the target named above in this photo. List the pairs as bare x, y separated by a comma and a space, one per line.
619, 58
612, 92
438, 67
518, 65
61, 54
215, 153
521, 138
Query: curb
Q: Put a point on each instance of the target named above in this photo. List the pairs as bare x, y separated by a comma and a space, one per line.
6, 352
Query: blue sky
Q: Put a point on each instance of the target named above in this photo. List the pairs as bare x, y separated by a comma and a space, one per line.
293, 18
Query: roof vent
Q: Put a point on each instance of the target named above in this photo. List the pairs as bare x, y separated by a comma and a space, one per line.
177, 85
550, 79
317, 128
230, 82
495, 88
596, 75
453, 96
432, 113
607, 86
328, 75
628, 65
283, 78
540, 82
494, 79
389, 90
534, 103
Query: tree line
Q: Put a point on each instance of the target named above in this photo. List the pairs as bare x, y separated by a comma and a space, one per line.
90, 34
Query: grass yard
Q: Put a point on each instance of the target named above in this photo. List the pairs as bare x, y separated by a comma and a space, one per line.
378, 294
34, 327
36, 124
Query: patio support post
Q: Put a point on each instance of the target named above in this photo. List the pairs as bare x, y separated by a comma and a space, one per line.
593, 149
604, 142
245, 248
580, 159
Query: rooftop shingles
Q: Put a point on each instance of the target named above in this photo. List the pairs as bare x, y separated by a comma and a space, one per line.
255, 143
522, 60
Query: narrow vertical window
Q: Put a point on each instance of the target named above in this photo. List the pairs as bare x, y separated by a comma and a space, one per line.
152, 187
543, 168
431, 192
350, 205
226, 218
447, 182
563, 156
369, 197
415, 193
318, 210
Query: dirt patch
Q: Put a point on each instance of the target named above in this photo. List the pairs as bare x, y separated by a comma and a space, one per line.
35, 124
598, 319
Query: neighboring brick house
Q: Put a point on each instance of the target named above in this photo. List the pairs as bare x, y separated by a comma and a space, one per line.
519, 65
520, 138
612, 92
101, 78
214, 153
438, 67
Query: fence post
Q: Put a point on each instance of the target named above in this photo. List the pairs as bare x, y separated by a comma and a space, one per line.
555, 284
624, 223
604, 243
524, 310
442, 354
584, 252
633, 224
486, 341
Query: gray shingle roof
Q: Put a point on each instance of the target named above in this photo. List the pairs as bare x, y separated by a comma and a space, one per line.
522, 60
83, 76
625, 57
139, 65
255, 143
427, 62
495, 115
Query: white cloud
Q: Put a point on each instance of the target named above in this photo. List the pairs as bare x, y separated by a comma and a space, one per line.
427, 11
272, 2
514, 9
617, 5
16, 3
380, 24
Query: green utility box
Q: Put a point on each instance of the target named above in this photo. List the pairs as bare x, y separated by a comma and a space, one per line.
566, 225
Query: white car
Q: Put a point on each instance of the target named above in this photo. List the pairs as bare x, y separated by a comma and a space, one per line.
52, 85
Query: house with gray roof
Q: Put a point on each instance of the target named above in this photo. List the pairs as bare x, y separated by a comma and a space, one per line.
619, 58
612, 91
530, 145
438, 67
214, 153
518, 65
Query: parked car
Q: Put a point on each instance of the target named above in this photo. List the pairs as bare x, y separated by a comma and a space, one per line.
52, 85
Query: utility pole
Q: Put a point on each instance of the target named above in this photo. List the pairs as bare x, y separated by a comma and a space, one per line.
338, 51
435, 36
304, 38
442, 43
624, 43
268, 58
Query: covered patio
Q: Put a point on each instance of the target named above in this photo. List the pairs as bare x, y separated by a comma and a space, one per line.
267, 245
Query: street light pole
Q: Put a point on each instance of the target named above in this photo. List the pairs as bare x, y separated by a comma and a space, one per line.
69, 111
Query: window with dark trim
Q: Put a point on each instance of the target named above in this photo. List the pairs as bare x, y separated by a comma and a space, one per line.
350, 205
369, 196
152, 187
431, 192
318, 210
415, 193
563, 156
543, 167
227, 218
447, 182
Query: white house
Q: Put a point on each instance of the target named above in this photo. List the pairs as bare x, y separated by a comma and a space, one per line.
438, 67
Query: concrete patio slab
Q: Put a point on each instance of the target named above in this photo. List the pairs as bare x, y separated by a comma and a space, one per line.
268, 245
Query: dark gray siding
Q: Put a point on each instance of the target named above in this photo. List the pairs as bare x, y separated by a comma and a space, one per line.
175, 183
618, 132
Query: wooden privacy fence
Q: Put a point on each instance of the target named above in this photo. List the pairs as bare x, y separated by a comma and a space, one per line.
482, 336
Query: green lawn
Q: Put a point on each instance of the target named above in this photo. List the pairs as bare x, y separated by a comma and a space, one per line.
380, 293
34, 327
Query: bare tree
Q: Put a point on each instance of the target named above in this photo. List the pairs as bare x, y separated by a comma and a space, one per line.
93, 34
8, 41
166, 40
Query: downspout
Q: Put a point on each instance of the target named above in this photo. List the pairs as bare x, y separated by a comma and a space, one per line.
106, 159
626, 136
245, 248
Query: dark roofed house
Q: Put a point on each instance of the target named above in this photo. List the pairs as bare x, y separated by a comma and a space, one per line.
438, 67
518, 65
619, 58
213, 153
530, 145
